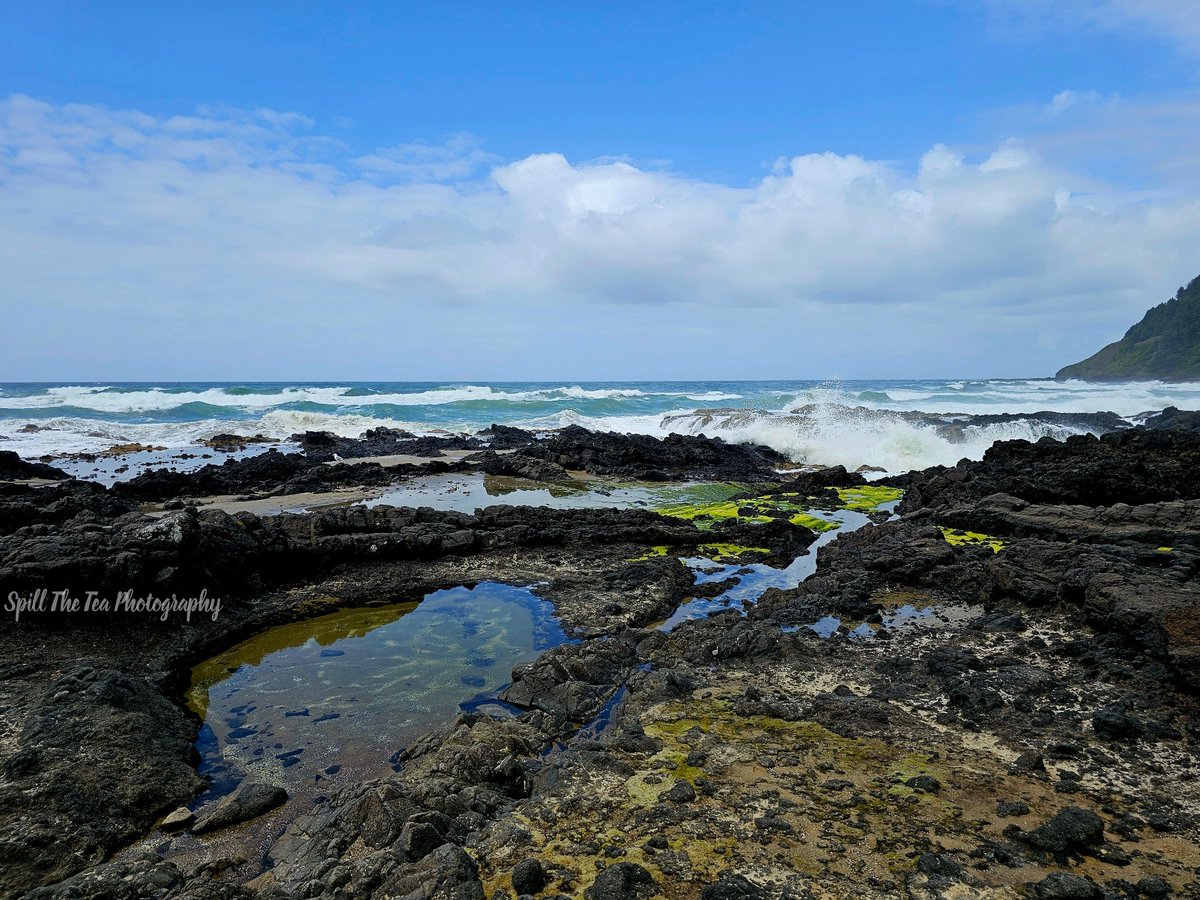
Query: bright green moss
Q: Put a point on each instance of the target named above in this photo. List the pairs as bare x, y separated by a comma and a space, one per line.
868, 498
704, 492
653, 553
805, 520
704, 514
722, 552
956, 538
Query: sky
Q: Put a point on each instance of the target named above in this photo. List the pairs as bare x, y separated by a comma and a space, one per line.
544, 191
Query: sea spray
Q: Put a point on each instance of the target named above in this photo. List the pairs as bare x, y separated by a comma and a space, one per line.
848, 423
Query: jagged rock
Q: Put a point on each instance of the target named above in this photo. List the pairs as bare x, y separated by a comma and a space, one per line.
623, 881
1135, 466
1113, 723
448, 873
680, 792
135, 764
142, 877
1065, 886
506, 437
646, 458
14, 468
519, 465
1069, 831
733, 887
529, 877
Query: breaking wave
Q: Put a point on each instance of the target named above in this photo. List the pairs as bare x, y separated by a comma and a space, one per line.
893, 425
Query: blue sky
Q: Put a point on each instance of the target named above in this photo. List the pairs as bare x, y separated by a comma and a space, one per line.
537, 190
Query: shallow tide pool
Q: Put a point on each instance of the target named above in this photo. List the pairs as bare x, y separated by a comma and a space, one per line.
748, 582
468, 492
334, 698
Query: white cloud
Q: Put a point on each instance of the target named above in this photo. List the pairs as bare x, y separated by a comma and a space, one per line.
246, 229
458, 158
1065, 100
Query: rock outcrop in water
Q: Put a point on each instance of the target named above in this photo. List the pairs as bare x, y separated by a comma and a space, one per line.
1165, 344
322, 446
1016, 711
12, 467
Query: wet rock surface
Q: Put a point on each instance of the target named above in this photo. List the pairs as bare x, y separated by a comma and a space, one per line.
644, 458
1134, 467
1009, 717
325, 462
322, 446
272, 472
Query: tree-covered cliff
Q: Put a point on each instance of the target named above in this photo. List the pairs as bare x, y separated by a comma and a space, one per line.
1165, 345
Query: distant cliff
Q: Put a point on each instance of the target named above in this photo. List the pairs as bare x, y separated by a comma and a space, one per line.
1164, 345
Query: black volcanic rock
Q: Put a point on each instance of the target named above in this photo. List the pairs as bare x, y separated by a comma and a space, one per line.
1173, 417
645, 458
1134, 466
13, 468
506, 437
1077, 639
519, 465
272, 472
322, 446
62, 812
1070, 831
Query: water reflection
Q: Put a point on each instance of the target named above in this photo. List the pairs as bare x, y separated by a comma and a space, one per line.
750, 581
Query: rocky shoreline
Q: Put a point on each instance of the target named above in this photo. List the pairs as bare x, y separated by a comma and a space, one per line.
1006, 706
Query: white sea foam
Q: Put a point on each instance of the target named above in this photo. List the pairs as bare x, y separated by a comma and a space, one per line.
828, 423
839, 437
109, 400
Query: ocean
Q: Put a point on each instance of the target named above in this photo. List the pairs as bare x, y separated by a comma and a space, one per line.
852, 423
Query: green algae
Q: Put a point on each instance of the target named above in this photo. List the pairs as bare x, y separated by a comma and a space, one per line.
323, 630
700, 493
655, 552
717, 552
1166, 549
872, 819
868, 498
753, 509
704, 515
723, 552
956, 538
813, 523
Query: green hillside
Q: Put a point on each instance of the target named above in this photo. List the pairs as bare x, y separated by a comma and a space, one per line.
1165, 345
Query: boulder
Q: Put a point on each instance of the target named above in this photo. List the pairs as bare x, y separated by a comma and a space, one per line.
249, 800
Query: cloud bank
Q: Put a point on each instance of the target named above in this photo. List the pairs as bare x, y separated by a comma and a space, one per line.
243, 230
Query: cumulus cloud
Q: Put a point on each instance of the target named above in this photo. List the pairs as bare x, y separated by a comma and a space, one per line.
252, 214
